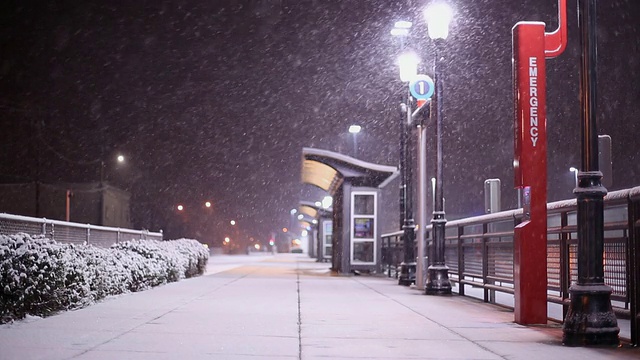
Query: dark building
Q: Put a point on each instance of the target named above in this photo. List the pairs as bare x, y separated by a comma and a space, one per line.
86, 203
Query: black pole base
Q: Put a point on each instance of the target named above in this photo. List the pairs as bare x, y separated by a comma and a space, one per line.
590, 320
438, 281
407, 273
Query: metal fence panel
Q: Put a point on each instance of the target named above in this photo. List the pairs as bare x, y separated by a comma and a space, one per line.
72, 233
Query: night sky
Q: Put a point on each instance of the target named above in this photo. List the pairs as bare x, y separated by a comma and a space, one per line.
214, 100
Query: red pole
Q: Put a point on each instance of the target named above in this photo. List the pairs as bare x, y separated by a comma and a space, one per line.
530, 240
531, 45
68, 206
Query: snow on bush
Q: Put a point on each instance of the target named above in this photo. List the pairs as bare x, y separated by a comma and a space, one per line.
39, 276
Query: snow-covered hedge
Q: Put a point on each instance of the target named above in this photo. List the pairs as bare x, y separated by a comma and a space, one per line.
39, 276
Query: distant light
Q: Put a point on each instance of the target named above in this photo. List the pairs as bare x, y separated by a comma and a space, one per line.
314, 221
120, 158
285, 230
297, 241
257, 246
318, 203
207, 204
300, 217
293, 211
354, 129
572, 169
232, 222
180, 207
227, 240
327, 201
399, 32
304, 233
403, 24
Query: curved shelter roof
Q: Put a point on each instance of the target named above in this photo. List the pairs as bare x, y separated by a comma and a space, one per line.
327, 170
306, 221
310, 211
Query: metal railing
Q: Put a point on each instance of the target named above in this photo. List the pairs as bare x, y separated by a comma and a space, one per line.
69, 232
479, 252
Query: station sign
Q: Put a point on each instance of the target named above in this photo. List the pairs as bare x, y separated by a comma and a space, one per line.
421, 87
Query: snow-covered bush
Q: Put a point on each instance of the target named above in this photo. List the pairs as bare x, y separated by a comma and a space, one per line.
179, 258
39, 276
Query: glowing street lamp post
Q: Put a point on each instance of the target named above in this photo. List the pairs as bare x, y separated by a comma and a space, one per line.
355, 129
408, 64
438, 16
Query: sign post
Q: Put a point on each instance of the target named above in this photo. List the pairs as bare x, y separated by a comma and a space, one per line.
531, 45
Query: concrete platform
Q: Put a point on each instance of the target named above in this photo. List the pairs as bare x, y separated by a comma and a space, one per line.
287, 307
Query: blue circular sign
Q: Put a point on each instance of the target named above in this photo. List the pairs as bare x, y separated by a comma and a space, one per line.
421, 87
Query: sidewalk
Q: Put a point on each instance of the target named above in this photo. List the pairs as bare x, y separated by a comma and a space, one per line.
287, 307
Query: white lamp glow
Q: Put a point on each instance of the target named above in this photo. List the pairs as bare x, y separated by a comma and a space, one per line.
438, 16
354, 129
327, 201
408, 63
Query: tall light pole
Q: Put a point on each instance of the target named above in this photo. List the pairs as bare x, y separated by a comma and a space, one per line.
355, 129
590, 319
438, 16
408, 64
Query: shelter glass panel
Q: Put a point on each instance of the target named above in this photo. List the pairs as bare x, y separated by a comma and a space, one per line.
328, 238
364, 205
363, 252
363, 228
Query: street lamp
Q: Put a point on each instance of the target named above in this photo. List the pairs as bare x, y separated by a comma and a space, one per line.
355, 129
590, 319
119, 159
575, 173
401, 28
438, 15
408, 65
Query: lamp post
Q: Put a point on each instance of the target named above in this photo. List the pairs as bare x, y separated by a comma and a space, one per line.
590, 319
355, 129
408, 63
438, 16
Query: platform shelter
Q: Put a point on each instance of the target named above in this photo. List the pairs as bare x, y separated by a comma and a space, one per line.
355, 186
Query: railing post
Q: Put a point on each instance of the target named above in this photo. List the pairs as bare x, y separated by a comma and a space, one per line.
485, 263
633, 277
88, 235
460, 260
565, 265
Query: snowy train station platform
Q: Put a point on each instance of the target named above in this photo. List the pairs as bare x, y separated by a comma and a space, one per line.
287, 306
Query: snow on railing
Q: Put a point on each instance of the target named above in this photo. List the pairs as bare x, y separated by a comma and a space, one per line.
63, 231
